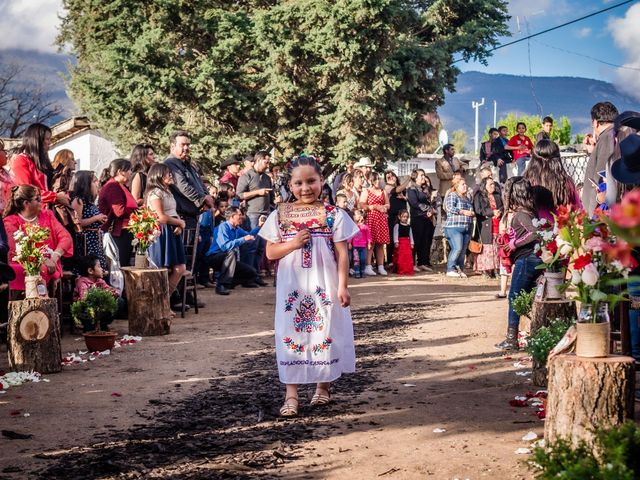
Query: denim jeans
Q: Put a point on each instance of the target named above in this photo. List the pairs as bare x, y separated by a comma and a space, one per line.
634, 318
458, 238
260, 243
521, 165
359, 261
523, 278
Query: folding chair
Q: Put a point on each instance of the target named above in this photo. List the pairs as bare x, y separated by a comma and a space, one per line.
190, 240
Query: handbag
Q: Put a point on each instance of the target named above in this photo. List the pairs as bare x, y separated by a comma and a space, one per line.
475, 247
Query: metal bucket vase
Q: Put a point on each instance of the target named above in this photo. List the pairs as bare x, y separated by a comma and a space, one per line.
552, 283
594, 331
34, 287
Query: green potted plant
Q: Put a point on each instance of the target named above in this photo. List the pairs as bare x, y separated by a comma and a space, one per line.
93, 313
541, 343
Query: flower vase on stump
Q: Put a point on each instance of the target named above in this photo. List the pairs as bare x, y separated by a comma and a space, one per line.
34, 287
145, 227
593, 330
141, 260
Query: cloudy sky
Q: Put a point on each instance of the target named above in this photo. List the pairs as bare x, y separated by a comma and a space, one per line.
612, 37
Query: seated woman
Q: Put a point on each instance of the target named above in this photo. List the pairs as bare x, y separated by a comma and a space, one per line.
25, 207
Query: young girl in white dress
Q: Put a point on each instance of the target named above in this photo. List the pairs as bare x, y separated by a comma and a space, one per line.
314, 332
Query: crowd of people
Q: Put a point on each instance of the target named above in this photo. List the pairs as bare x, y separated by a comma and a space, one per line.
259, 217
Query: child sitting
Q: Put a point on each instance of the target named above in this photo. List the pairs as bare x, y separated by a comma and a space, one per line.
91, 274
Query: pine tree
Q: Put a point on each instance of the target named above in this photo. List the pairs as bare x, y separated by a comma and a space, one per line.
339, 78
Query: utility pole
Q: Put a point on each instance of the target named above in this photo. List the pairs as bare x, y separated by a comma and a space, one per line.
476, 106
495, 114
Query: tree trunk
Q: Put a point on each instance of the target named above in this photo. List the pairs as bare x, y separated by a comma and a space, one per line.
586, 394
33, 337
147, 291
542, 313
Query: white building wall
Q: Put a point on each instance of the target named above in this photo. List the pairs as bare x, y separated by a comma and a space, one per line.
90, 148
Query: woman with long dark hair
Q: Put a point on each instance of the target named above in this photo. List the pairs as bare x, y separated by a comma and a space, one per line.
32, 165
116, 202
142, 158
551, 184
396, 191
423, 215
518, 200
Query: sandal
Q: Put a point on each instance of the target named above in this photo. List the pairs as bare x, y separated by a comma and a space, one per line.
289, 409
501, 295
320, 399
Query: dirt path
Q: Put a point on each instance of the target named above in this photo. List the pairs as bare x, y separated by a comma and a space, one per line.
203, 401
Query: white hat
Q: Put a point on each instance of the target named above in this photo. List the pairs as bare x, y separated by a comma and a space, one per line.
364, 162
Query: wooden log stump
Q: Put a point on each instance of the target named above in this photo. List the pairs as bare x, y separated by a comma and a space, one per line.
588, 393
33, 336
147, 291
542, 313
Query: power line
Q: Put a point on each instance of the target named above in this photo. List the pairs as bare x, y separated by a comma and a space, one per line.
593, 14
587, 56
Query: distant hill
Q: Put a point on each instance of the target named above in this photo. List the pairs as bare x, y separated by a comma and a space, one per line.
558, 96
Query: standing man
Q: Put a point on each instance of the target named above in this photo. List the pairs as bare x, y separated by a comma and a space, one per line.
547, 126
248, 161
256, 189
366, 166
188, 188
601, 147
446, 167
232, 172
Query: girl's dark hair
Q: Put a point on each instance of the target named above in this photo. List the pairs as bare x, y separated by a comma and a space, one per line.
346, 178
305, 161
223, 196
81, 182
374, 179
138, 157
19, 195
402, 211
521, 123
33, 145
517, 195
155, 177
86, 263
550, 181
224, 187
117, 165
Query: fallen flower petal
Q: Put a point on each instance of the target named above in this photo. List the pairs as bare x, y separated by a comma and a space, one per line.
116, 394
523, 451
530, 437
518, 403
439, 430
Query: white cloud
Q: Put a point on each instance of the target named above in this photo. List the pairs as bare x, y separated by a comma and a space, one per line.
29, 24
626, 35
584, 32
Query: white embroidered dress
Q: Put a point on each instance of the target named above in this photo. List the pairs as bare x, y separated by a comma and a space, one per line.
314, 334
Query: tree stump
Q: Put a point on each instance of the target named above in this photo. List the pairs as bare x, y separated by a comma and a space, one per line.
147, 291
542, 313
588, 393
33, 336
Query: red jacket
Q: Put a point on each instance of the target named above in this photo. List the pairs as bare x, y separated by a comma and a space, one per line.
115, 201
25, 172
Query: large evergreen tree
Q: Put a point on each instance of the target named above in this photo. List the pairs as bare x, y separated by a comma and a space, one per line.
339, 78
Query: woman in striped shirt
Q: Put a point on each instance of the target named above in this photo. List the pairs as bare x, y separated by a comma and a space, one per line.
457, 227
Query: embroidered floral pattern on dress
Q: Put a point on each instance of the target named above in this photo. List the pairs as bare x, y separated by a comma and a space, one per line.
288, 304
288, 341
306, 255
307, 318
321, 347
321, 292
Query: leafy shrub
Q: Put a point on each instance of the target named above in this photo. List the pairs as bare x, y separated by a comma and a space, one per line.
523, 302
614, 456
94, 307
545, 338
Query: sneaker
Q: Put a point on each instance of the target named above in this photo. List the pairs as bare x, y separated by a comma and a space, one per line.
453, 274
352, 272
416, 269
382, 271
461, 273
368, 270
